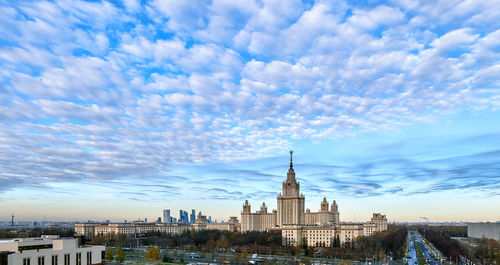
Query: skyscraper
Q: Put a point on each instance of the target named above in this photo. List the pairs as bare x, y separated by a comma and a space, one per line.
166, 216
183, 217
291, 202
193, 216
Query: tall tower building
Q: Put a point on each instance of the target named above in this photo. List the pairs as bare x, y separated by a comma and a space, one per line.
324, 205
181, 216
166, 217
290, 201
335, 212
192, 217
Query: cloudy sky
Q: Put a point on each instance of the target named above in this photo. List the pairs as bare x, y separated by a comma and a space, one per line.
119, 109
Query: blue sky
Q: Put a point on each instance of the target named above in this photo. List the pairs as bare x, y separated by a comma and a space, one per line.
119, 109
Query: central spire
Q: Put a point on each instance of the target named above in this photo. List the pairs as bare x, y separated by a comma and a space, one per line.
291, 173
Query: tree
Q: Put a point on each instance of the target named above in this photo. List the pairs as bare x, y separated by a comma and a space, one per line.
167, 259
109, 253
210, 245
120, 255
98, 240
222, 242
336, 241
156, 253
149, 254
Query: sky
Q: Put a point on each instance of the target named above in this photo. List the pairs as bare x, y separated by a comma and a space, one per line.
120, 109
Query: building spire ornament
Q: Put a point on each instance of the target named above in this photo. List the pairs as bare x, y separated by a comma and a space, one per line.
291, 173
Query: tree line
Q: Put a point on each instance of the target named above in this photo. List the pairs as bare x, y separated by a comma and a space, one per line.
480, 251
389, 242
36, 232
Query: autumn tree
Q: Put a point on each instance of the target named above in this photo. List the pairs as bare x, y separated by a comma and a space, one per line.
120, 255
149, 254
109, 253
222, 242
156, 253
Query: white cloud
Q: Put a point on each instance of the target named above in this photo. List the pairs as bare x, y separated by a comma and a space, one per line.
454, 40
131, 91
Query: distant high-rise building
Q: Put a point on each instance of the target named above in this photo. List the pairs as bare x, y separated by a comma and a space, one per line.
166, 216
192, 217
199, 213
158, 220
183, 217
210, 219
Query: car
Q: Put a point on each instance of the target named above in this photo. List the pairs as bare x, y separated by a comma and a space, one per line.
255, 261
194, 256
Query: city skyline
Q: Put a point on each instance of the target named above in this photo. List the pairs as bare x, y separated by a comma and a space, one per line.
121, 109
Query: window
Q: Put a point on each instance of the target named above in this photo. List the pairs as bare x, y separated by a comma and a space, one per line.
54, 259
89, 258
41, 260
78, 258
26, 261
66, 259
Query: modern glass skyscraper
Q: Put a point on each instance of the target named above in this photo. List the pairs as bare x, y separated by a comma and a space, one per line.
192, 217
166, 217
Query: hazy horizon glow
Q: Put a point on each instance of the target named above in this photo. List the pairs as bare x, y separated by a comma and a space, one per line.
120, 109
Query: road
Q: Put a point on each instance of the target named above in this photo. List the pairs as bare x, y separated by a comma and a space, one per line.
412, 252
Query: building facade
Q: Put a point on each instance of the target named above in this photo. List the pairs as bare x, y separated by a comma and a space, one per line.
258, 221
91, 230
290, 203
487, 230
166, 217
49, 250
299, 226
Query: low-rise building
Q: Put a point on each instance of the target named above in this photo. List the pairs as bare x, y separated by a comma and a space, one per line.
90, 230
487, 230
48, 250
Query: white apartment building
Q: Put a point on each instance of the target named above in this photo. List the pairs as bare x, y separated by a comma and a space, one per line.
93, 229
48, 250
